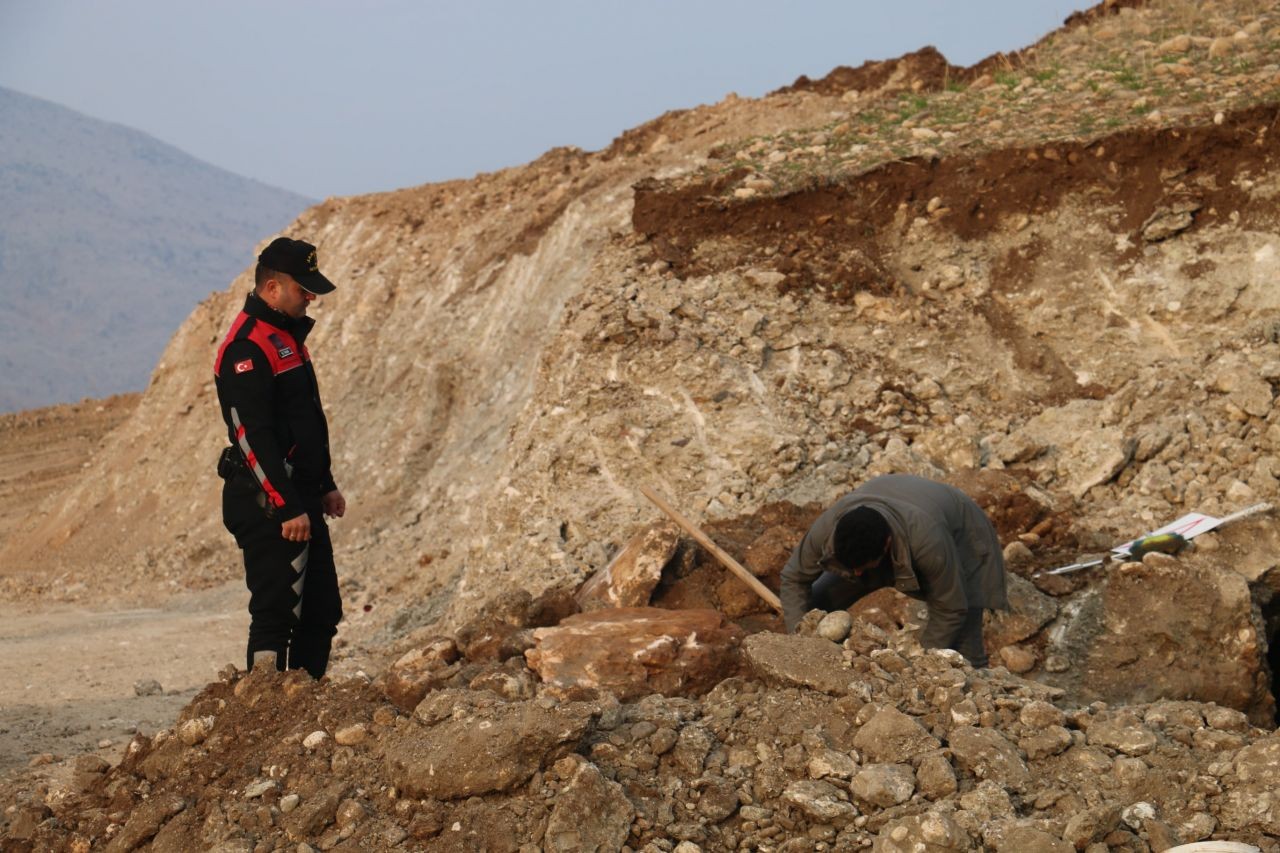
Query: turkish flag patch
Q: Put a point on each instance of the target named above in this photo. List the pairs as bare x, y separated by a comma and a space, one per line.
244, 366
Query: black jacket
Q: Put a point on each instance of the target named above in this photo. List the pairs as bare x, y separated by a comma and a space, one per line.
271, 405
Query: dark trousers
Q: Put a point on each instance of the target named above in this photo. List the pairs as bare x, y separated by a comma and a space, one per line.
294, 604
944, 630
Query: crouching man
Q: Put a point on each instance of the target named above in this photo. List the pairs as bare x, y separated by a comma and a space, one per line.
926, 539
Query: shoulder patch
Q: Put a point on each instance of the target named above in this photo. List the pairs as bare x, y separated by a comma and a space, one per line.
244, 366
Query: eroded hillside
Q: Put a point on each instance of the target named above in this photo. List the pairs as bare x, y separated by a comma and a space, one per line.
1049, 279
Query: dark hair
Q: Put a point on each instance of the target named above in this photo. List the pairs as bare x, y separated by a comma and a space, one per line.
860, 536
261, 274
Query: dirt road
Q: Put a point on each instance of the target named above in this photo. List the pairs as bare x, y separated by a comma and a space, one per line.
67, 675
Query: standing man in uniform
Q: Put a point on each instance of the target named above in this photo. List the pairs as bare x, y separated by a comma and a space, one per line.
279, 486
928, 540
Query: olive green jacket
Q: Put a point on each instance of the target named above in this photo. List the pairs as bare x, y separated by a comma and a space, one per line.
944, 550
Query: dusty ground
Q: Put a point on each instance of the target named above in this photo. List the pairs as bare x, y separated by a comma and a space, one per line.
68, 675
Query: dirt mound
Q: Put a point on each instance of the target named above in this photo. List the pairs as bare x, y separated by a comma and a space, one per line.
869, 743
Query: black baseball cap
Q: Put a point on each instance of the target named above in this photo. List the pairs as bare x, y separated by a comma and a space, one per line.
296, 258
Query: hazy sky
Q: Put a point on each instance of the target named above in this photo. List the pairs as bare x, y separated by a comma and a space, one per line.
336, 98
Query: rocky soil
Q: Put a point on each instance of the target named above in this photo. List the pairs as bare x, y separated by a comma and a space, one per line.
1048, 279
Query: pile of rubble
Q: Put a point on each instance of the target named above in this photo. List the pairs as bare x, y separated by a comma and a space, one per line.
869, 742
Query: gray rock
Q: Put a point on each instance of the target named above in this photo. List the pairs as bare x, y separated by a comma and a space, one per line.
1122, 733
1026, 839
884, 785
820, 800
835, 626
591, 813
147, 687
828, 763
259, 787
987, 754
926, 833
1029, 611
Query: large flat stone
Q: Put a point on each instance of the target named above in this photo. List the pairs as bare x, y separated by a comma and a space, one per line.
792, 661
493, 749
633, 651
630, 577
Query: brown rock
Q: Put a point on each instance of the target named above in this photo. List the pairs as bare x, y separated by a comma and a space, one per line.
414, 673
490, 749
630, 577
1178, 629
145, 821
632, 651
1018, 659
768, 553
792, 661
987, 754
1029, 611
893, 737
888, 609
1252, 804
316, 812
935, 777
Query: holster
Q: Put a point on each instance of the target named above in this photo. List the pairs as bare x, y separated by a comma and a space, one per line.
230, 463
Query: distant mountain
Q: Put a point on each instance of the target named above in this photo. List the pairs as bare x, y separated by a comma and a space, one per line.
108, 239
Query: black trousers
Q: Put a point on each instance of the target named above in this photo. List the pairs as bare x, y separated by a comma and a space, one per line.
294, 604
944, 630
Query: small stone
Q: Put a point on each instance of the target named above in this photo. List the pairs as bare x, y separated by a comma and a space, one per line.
256, 789
147, 687
1219, 117
835, 626
1177, 44
314, 739
1057, 663
289, 802
1018, 659
104, 743
829, 763
351, 735
350, 813
1221, 47
195, 731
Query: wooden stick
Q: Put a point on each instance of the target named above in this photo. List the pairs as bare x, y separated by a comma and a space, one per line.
716, 551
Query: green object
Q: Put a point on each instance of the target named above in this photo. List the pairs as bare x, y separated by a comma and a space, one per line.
1164, 543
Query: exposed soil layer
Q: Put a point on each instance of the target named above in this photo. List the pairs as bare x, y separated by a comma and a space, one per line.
832, 238
927, 70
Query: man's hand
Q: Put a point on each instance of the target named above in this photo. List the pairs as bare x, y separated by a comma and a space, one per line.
334, 504
297, 529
